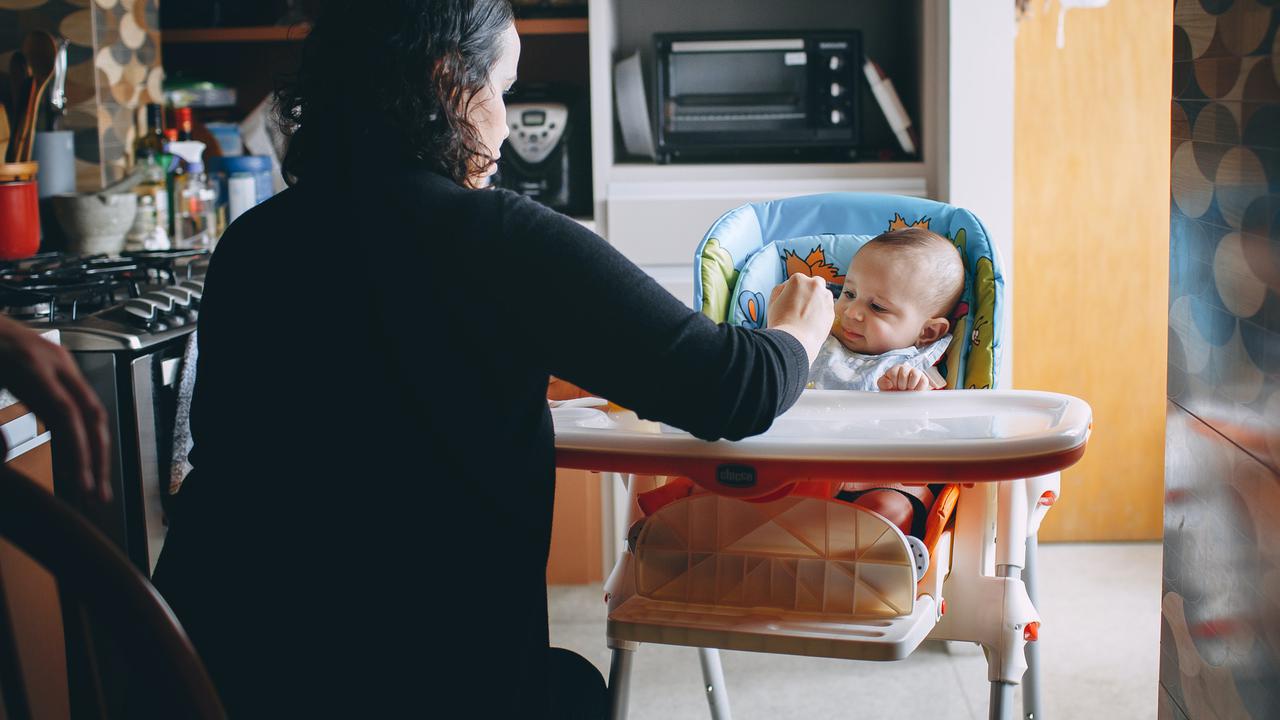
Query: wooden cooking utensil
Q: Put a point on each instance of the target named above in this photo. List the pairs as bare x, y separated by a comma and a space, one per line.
41, 50
4, 131
18, 79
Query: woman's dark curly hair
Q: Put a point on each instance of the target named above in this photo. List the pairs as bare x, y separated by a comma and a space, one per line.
398, 73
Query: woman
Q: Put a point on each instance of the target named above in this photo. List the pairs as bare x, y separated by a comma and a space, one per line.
367, 524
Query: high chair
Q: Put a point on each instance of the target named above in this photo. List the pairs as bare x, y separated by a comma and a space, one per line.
768, 561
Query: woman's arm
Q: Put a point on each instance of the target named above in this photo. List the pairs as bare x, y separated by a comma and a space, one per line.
592, 317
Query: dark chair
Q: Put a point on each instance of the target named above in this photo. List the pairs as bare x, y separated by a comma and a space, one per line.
96, 581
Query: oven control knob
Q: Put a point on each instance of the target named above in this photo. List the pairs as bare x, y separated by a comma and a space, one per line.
140, 312
837, 89
835, 63
195, 288
183, 304
837, 117
181, 298
163, 303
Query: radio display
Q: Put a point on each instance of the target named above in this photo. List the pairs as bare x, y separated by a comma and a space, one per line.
532, 118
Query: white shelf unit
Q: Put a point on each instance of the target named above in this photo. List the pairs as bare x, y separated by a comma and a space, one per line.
655, 214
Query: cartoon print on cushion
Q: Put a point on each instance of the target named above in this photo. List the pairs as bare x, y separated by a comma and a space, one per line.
900, 223
960, 241
813, 265
718, 279
951, 364
752, 306
980, 368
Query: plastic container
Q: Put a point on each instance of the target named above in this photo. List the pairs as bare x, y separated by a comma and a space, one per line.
228, 137
221, 169
55, 152
20, 210
195, 216
242, 194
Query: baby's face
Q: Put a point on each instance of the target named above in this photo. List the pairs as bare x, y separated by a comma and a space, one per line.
880, 308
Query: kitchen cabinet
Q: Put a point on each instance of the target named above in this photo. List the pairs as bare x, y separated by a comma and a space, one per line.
576, 534
30, 591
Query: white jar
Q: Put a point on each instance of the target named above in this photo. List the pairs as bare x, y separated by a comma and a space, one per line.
241, 195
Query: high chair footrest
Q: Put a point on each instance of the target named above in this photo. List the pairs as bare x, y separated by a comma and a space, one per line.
644, 620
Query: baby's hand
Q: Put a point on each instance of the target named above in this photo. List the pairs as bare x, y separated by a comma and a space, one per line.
904, 377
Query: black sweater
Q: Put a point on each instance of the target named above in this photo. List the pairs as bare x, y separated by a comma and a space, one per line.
374, 463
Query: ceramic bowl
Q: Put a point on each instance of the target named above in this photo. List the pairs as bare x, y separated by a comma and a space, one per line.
96, 223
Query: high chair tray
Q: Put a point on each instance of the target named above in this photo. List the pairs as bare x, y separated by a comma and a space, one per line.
951, 436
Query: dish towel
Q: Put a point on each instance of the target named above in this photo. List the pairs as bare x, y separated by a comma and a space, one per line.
179, 468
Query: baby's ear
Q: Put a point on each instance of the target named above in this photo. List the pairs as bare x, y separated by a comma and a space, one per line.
933, 329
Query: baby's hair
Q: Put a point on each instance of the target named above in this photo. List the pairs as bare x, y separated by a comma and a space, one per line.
945, 268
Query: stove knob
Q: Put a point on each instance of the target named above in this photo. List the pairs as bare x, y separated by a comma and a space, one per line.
140, 312
181, 298
195, 287
182, 302
835, 63
163, 303
837, 117
837, 89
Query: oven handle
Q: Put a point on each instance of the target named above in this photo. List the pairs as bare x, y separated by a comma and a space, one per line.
169, 371
681, 46
21, 436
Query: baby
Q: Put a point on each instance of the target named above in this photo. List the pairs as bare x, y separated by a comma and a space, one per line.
891, 327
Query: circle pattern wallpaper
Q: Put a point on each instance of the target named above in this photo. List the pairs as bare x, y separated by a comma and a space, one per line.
1220, 629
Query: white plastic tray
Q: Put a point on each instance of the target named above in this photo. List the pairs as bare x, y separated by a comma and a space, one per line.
954, 435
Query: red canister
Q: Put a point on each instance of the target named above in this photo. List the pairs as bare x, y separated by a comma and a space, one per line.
19, 211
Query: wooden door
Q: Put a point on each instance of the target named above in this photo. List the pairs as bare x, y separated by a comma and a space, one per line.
1091, 250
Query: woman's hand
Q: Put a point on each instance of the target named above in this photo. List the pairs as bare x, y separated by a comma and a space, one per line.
45, 378
904, 377
803, 307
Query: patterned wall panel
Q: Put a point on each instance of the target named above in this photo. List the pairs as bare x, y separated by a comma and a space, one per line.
127, 62
112, 69
1220, 624
1220, 639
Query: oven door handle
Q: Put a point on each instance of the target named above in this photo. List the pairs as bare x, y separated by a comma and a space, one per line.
169, 371
21, 435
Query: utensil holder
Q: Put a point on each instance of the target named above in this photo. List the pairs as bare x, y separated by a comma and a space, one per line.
19, 210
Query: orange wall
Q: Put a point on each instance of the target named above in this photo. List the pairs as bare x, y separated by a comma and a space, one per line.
1091, 265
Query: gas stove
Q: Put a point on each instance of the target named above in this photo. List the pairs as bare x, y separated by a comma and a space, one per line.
101, 303
127, 321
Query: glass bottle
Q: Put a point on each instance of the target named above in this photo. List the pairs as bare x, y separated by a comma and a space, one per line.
150, 140
150, 227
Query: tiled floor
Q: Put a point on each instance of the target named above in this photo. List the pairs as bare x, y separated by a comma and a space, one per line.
1099, 645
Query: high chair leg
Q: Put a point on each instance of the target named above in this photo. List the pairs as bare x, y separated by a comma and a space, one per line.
1001, 707
620, 683
1031, 680
713, 682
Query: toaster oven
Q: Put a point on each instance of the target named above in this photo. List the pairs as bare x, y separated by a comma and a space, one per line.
760, 95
